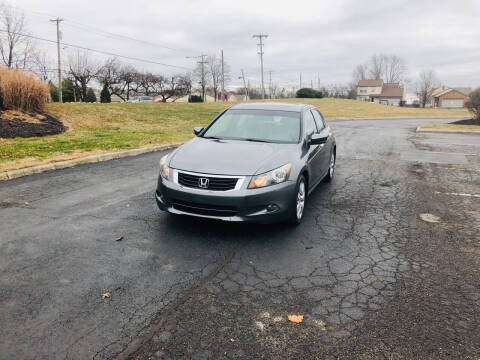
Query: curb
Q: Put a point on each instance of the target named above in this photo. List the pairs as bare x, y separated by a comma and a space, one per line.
457, 118
13, 174
447, 131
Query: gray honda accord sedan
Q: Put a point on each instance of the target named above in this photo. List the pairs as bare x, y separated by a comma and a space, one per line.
253, 162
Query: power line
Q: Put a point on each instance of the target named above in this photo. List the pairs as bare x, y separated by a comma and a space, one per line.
103, 32
98, 51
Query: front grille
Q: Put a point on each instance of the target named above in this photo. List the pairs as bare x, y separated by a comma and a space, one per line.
214, 183
204, 209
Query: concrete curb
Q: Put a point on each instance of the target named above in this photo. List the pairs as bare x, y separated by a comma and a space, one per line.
447, 131
13, 174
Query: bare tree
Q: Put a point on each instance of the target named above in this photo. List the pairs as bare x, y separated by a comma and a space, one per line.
174, 87
377, 66
473, 105
42, 65
360, 72
273, 90
83, 70
215, 71
425, 85
394, 68
16, 50
147, 83
201, 75
389, 68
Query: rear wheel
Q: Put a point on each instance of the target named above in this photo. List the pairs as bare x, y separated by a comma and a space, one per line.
299, 202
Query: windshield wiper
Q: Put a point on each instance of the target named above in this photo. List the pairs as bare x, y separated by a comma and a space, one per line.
257, 140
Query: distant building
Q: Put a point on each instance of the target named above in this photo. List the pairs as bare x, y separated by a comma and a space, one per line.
412, 99
449, 98
377, 91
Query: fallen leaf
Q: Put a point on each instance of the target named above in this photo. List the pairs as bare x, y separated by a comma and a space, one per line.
295, 318
128, 205
26, 202
380, 279
106, 295
119, 238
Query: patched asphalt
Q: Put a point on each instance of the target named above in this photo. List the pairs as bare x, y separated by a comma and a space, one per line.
371, 277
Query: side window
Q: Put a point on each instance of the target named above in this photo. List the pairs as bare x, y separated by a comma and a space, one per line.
309, 123
319, 119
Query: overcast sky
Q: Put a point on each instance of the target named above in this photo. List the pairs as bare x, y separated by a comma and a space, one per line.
319, 38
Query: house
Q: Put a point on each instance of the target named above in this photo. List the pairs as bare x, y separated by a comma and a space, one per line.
449, 98
368, 90
377, 91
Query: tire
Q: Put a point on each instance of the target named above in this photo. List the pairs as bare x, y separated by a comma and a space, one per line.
299, 201
331, 167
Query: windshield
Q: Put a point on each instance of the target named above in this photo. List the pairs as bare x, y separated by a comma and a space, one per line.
256, 125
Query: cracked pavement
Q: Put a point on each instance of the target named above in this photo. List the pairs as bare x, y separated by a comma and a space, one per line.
372, 279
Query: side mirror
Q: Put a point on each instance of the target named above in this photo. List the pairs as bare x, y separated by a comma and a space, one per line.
197, 130
317, 139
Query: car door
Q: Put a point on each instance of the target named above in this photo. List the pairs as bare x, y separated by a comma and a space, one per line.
325, 149
314, 161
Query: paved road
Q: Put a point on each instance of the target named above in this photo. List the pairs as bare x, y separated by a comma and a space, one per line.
372, 279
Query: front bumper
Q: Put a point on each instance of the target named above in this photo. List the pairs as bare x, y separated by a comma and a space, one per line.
264, 205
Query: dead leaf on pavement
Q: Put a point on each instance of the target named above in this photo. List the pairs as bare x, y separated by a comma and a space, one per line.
295, 318
106, 295
119, 238
128, 205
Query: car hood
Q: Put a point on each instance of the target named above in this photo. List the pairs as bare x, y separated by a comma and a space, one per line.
230, 157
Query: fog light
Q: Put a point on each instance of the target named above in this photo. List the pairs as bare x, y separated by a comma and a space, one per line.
272, 207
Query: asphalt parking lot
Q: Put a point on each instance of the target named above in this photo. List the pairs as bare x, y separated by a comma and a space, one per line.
372, 275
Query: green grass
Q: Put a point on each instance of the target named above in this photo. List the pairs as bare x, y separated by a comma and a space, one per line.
451, 127
97, 128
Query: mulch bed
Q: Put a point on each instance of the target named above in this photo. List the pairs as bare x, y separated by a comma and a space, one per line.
465, 122
18, 127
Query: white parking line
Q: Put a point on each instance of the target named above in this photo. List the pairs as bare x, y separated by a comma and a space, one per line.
458, 194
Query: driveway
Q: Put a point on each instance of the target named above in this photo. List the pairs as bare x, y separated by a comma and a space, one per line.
370, 272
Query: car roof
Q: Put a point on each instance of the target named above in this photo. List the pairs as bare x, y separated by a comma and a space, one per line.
271, 106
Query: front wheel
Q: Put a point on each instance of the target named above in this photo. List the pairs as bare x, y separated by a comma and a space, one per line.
331, 168
298, 206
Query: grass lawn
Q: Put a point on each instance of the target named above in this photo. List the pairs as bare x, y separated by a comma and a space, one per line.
451, 127
97, 128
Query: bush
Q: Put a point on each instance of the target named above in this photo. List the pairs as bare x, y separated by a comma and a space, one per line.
91, 97
309, 93
195, 98
473, 105
105, 96
20, 90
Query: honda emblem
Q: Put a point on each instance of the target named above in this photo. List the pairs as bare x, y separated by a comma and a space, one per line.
203, 183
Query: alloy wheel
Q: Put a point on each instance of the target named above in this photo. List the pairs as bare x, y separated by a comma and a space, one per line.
300, 199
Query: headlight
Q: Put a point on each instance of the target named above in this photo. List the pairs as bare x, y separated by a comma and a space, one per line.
164, 169
272, 177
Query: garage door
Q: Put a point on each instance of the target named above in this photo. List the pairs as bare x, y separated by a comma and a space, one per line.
452, 103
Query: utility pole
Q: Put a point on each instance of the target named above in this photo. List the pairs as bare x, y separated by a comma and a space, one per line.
300, 81
318, 79
203, 81
223, 79
311, 84
58, 21
260, 44
245, 86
